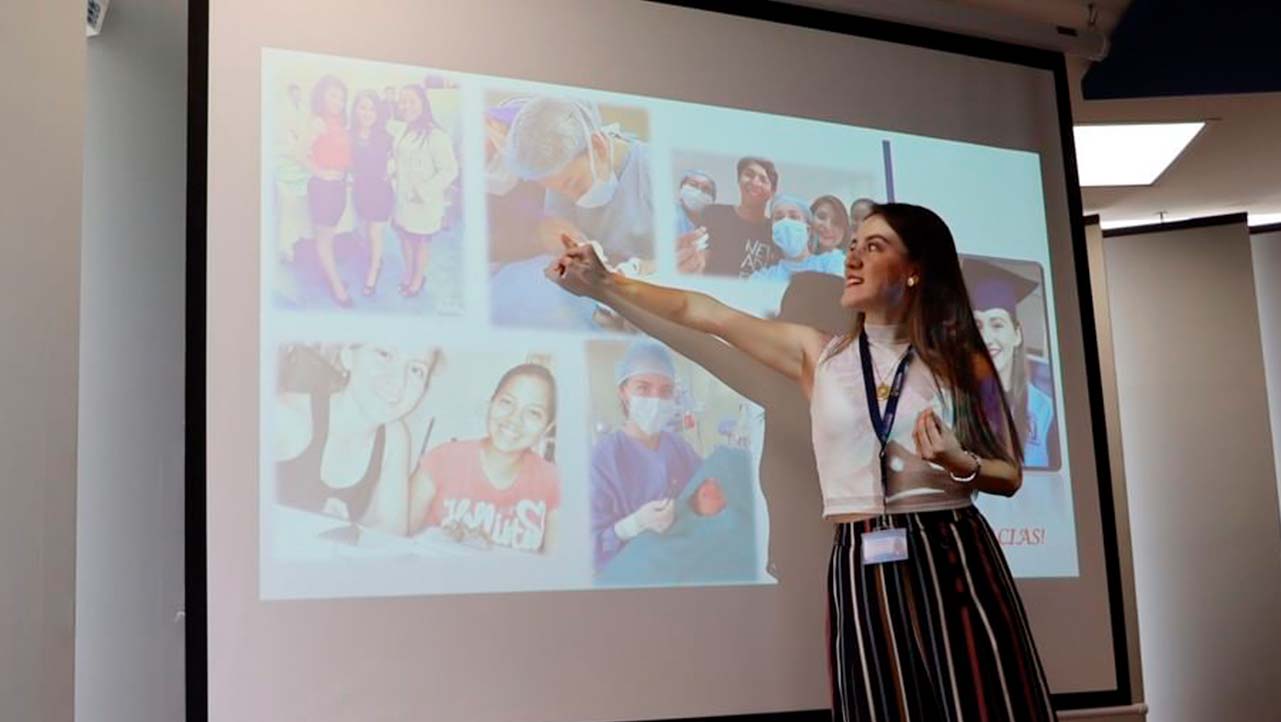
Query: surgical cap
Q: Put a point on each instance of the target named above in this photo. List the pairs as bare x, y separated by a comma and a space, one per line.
547, 134
695, 173
645, 357
506, 111
789, 200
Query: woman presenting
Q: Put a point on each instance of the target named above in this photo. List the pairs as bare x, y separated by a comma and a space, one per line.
925, 622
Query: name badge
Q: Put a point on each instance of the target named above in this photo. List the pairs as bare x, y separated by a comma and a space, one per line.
885, 545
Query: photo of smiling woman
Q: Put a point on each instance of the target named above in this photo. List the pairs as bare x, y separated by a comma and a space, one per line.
1010, 311
501, 490
339, 435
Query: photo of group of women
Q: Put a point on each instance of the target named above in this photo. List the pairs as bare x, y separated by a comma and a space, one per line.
562, 166
364, 169
439, 446
761, 219
672, 483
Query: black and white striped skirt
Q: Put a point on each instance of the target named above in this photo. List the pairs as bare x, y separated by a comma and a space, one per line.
940, 637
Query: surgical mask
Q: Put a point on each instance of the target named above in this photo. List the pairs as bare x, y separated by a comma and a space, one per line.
650, 413
499, 180
694, 199
791, 236
603, 189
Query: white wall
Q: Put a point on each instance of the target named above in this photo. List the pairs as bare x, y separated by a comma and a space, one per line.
129, 648
1266, 249
41, 88
1199, 471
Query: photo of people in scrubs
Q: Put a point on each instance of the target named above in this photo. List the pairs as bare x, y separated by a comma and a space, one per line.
793, 230
1009, 307
563, 166
672, 487
770, 219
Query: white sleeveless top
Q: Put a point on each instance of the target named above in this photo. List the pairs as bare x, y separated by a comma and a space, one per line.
845, 445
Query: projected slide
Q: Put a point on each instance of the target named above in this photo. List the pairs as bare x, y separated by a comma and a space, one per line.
439, 418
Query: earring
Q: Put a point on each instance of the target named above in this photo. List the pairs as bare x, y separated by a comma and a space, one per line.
911, 281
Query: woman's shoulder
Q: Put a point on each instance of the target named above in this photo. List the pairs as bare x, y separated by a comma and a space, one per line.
608, 441
539, 468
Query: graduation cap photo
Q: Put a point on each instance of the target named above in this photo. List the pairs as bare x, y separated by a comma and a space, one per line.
1009, 307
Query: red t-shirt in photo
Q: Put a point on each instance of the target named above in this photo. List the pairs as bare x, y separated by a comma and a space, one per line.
468, 505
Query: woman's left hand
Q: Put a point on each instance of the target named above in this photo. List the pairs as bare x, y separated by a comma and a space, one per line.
937, 444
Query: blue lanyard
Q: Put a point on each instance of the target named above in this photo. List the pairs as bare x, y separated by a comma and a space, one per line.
882, 424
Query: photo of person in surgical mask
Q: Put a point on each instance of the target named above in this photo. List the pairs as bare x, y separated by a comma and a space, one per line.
793, 235
596, 175
338, 432
498, 491
995, 293
737, 238
697, 191
638, 470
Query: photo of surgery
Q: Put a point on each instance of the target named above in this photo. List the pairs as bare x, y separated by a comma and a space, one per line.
760, 218
362, 175
365, 460
672, 486
563, 166
1009, 306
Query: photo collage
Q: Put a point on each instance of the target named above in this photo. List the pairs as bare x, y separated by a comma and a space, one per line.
441, 417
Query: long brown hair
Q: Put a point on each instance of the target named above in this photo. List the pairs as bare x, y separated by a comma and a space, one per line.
945, 336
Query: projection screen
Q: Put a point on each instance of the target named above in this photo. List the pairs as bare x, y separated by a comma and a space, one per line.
416, 485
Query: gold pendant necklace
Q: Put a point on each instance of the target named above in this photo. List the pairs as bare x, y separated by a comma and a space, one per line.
882, 387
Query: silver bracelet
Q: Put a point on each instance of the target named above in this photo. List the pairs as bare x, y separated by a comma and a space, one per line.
978, 464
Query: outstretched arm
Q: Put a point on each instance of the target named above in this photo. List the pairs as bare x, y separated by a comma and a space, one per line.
791, 349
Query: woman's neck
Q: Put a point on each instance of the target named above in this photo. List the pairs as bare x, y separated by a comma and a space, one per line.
750, 212
650, 441
347, 420
885, 317
1007, 377
500, 467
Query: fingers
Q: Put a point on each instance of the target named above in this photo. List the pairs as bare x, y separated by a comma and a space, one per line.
933, 432
922, 441
567, 242
929, 443
556, 269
